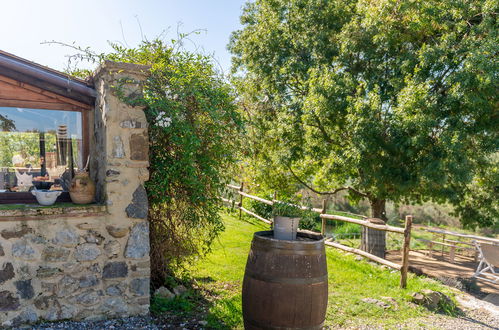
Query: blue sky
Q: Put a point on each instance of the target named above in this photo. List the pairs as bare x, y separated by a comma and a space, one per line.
25, 24
43, 120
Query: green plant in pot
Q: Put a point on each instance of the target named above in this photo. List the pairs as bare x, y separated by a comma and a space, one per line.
287, 217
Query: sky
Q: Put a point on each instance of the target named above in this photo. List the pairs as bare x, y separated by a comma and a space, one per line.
26, 24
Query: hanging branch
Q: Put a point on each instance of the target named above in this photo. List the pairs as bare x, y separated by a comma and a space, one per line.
326, 192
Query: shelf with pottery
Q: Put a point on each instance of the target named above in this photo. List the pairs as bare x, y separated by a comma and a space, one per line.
81, 191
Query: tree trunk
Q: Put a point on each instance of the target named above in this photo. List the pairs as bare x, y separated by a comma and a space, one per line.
374, 241
378, 209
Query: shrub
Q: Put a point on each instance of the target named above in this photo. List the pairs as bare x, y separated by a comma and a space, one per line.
191, 157
262, 209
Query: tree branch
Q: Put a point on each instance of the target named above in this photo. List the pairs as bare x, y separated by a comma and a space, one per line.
326, 192
321, 128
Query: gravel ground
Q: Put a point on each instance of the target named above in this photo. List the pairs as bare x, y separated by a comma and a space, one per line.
138, 322
477, 314
135, 322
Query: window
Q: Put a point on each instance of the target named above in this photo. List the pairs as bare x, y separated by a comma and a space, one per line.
39, 149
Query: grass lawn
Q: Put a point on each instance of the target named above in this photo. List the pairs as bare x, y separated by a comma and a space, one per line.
220, 275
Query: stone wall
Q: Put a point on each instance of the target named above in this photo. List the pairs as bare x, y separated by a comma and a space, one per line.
94, 264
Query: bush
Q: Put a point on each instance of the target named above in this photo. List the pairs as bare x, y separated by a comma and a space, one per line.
191, 157
311, 221
262, 209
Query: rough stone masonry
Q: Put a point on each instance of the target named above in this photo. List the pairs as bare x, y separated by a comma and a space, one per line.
93, 265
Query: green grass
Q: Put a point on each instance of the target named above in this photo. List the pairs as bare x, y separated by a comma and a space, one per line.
222, 271
38, 206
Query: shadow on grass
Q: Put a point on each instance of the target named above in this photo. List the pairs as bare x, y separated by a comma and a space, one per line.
207, 304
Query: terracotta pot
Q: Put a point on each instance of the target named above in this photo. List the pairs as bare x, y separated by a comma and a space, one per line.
82, 190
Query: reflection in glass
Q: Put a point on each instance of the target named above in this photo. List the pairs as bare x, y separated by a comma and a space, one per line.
39, 148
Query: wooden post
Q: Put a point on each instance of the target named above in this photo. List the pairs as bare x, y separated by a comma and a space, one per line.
443, 246
323, 211
405, 251
452, 253
240, 204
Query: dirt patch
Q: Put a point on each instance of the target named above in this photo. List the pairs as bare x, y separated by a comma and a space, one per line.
440, 267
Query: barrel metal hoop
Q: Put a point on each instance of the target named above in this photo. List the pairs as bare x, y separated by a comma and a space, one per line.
284, 280
294, 247
264, 237
286, 251
287, 245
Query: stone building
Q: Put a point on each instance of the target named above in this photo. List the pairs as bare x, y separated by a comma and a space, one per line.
70, 261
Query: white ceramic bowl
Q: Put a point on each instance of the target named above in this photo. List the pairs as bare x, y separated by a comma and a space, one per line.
46, 197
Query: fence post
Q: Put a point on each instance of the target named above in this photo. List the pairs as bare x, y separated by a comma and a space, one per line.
240, 204
323, 211
405, 251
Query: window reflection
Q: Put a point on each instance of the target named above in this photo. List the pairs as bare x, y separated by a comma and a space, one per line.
39, 148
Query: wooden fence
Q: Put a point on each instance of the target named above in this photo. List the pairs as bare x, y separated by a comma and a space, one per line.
459, 244
406, 231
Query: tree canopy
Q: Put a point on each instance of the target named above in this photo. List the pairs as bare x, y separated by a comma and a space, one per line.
390, 100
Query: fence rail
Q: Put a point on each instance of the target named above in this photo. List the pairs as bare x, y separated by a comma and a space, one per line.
363, 223
256, 215
365, 254
406, 231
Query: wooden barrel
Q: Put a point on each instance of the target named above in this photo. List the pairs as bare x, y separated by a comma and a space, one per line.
285, 282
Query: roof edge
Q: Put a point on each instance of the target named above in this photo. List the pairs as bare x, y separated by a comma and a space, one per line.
51, 76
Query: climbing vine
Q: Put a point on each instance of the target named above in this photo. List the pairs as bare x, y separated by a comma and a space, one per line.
192, 121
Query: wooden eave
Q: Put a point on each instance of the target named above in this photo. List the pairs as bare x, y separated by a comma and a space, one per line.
14, 93
28, 84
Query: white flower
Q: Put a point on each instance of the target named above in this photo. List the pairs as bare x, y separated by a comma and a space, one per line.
162, 120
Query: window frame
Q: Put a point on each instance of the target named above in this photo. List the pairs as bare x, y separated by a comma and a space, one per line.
60, 103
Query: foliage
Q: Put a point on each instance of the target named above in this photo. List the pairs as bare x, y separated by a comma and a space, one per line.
310, 220
181, 305
192, 121
479, 199
388, 100
6, 124
262, 209
285, 209
27, 145
191, 159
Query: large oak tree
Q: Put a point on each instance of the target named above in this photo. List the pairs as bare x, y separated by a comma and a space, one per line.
390, 100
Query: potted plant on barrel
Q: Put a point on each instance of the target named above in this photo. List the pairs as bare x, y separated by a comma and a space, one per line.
287, 217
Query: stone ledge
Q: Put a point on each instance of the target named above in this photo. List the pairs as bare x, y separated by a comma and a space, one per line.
109, 67
11, 212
